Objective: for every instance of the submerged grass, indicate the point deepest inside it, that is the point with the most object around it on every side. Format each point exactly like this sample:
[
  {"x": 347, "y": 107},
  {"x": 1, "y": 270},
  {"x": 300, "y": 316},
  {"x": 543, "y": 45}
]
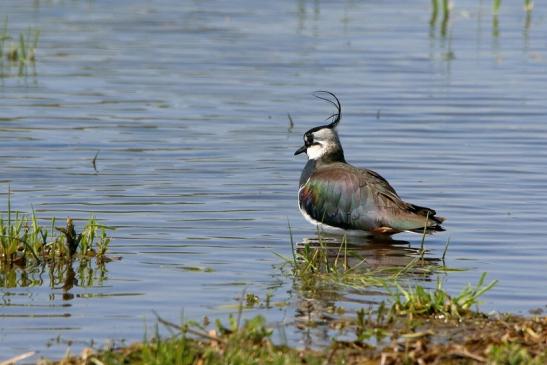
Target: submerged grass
[
  {"x": 445, "y": 6},
  {"x": 19, "y": 51},
  {"x": 87, "y": 272},
  {"x": 27, "y": 245},
  {"x": 321, "y": 264},
  {"x": 496, "y": 4}
]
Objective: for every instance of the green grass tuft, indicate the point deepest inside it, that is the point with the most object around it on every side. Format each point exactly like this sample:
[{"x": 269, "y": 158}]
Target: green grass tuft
[
  {"x": 26, "y": 247},
  {"x": 227, "y": 344},
  {"x": 514, "y": 354},
  {"x": 421, "y": 302}
]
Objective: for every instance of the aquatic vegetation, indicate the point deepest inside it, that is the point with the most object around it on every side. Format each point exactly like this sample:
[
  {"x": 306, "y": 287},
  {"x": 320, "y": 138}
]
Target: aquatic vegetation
[
  {"x": 331, "y": 262},
  {"x": 496, "y": 6},
  {"x": 415, "y": 325},
  {"x": 85, "y": 273},
  {"x": 437, "y": 302},
  {"x": 251, "y": 300},
  {"x": 19, "y": 51},
  {"x": 25, "y": 243},
  {"x": 31, "y": 254},
  {"x": 446, "y": 6},
  {"x": 434, "y": 12}
]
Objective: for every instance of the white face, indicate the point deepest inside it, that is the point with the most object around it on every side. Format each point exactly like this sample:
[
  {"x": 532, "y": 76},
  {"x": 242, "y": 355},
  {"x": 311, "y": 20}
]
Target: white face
[
  {"x": 315, "y": 151},
  {"x": 324, "y": 140}
]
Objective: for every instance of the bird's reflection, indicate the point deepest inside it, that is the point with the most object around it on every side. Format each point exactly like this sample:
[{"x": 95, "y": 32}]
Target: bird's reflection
[
  {"x": 321, "y": 302},
  {"x": 372, "y": 252}
]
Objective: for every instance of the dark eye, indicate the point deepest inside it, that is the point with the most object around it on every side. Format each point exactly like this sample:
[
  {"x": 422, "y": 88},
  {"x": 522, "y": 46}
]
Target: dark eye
[{"x": 308, "y": 138}]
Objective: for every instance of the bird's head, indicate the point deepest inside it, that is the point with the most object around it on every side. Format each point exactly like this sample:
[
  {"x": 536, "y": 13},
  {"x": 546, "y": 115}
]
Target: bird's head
[{"x": 322, "y": 142}]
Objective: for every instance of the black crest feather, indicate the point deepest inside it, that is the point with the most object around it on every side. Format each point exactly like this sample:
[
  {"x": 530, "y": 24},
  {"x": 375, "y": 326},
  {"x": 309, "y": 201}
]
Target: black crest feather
[{"x": 335, "y": 117}]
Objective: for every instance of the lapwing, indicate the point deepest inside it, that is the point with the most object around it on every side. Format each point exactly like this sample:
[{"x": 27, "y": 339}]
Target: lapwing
[{"x": 341, "y": 198}]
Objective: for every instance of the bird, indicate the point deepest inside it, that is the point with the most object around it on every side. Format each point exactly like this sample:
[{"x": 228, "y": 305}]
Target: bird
[{"x": 343, "y": 199}]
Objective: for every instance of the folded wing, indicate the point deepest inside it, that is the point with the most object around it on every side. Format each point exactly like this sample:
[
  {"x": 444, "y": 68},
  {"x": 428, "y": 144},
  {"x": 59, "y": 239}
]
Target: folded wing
[{"x": 350, "y": 198}]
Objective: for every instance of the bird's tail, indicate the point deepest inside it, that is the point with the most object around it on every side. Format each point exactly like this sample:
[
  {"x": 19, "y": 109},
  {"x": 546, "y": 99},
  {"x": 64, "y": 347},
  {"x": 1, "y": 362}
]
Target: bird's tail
[{"x": 431, "y": 223}]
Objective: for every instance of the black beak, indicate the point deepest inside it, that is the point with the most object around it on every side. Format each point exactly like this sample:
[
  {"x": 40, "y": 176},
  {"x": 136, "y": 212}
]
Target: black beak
[{"x": 300, "y": 150}]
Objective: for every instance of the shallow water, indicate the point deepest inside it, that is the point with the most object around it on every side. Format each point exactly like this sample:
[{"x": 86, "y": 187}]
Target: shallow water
[{"x": 187, "y": 104}]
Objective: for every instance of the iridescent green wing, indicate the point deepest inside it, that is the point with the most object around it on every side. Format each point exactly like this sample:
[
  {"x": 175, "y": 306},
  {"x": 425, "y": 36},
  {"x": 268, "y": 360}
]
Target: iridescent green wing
[
  {"x": 347, "y": 197},
  {"x": 338, "y": 197}
]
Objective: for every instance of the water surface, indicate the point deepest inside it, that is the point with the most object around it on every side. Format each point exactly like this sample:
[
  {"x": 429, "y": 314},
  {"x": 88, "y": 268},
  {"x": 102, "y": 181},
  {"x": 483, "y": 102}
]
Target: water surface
[{"x": 187, "y": 104}]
